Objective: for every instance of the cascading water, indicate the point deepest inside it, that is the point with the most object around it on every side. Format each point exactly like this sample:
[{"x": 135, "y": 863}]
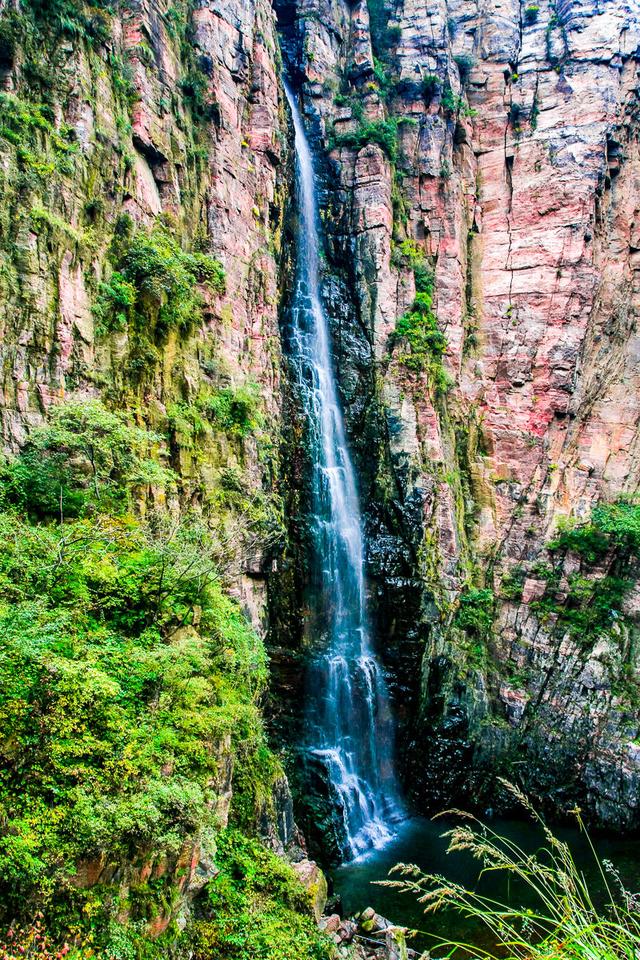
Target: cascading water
[{"x": 349, "y": 720}]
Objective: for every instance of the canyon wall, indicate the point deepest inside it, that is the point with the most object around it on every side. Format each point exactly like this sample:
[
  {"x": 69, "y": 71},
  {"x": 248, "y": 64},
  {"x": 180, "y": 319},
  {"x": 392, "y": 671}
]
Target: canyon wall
[
  {"x": 479, "y": 173},
  {"x": 495, "y": 147},
  {"x": 144, "y": 162}
]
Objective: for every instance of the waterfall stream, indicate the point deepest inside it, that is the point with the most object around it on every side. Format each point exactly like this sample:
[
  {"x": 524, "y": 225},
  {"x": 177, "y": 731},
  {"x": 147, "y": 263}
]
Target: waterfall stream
[{"x": 348, "y": 716}]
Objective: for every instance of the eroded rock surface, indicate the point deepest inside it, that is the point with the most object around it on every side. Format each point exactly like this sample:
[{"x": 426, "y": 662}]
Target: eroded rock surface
[{"x": 516, "y": 179}]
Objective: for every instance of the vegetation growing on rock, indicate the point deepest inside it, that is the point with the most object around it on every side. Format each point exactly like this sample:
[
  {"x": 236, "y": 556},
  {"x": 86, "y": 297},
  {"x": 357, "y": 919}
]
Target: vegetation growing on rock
[{"x": 128, "y": 682}]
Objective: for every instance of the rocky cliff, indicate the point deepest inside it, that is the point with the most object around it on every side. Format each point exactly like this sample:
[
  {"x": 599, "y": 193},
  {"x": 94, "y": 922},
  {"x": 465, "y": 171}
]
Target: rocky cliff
[
  {"x": 479, "y": 169},
  {"x": 481, "y": 201},
  {"x": 143, "y": 170}
]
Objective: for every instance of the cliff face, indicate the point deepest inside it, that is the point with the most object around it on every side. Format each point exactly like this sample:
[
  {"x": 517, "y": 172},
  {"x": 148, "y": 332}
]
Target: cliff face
[
  {"x": 143, "y": 168},
  {"x": 480, "y": 172},
  {"x": 509, "y": 170}
]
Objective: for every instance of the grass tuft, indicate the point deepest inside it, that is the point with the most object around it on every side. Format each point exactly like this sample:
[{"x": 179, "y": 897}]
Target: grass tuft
[{"x": 564, "y": 924}]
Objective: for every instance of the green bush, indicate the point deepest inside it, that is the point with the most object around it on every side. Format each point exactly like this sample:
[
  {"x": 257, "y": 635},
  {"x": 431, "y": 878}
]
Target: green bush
[
  {"x": 382, "y": 132},
  {"x": 155, "y": 279},
  {"x": 98, "y": 702},
  {"x": 69, "y": 18},
  {"x": 531, "y": 14},
  {"x": 431, "y": 87},
  {"x": 475, "y": 612},
  {"x": 85, "y": 457},
  {"x": 257, "y": 909},
  {"x": 592, "y": 605},
  {"x": 124, "y": 672},
  {"x": 613, "y": 527},
  {"x": 41, "y": 147},
  {"x": 419, "y": 328},
  {"x": 236, "y": 410},
  {"x": 465, "y": 63},
  {"x": 232, "y": 410},
  {"x": 589, "y": 608},
  {"x": 512, "y": 584}
]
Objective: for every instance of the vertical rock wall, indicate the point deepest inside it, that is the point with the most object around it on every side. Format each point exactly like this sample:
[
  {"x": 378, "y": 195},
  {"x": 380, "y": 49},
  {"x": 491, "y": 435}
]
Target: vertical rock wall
[
  {"x": 170, "y": 115},
  {"x": 515, "y": 179},
  {"x": 152, "y": 119}
]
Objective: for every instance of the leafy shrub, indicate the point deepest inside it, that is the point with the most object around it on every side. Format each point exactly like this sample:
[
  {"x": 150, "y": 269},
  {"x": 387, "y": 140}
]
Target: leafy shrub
[
  {"x": 110, "y": 717},
  {"x": 115, "y": 303},
  {"x": 431, "y": 87},
  {"x": 257, "y": 909},
  {"x": 67, "y": 18},
  {"x": 475, "y": 613},
  {"x": 465, "y": 63},
  {"x": 85, "y": 456},
  {"x": 531, "y": 14},
  {"x": 612, "y": 527},
  {"x": 155, "y": 279},
  {"x": 382, "y": 132},
  {"x": 419, "y": 328},
  {"x": 512, "y": 584},
  {"x": 236, "y": 410},
  {"x": 195, "y": 88},
  {"x": 590, "y": 607},
  {"x": 592, "y": 604},
  {"x": 31, "y": 129},
  {"x": 448, "y": 101}
]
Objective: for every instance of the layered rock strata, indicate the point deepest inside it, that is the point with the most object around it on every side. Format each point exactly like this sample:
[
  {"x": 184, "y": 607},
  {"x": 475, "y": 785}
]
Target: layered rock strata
[{"x": 510, "y": 168}]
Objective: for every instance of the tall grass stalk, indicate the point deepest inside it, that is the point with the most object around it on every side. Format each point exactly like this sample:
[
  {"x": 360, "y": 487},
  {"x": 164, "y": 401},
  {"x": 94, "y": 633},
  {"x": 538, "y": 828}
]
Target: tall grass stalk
[{"x": 564, "y": 924}]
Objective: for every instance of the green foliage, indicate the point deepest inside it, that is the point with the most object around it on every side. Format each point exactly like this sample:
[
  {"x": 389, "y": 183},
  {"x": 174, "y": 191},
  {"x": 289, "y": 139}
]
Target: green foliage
[
  {"x": 531, "y": 14},
  {"x": 408, "y": 255},
  {"x": 512, "y": 584},
  {"x": 195, "y": 89},
  {"x": 587, "y": 609},
  {"x": 382, "y": 77},
  {"x": 68, "y": 18},
  {"x": 475, "y": 612},
  {"x": 431, "y": 87},
  {"x": 589, "y": 606},
  {"x": 419, "y": 328},
  {"x": 561, "y": 924},
  {"x": 99, "y": 696},
  {"x": 257, "y": 910},
  {"x": 115, "y": 303},
  {"x": 121, "y": 74},
  {"x": 86, "y": 457},
  {"x": 452, "y": 104},
  {"x": 40, "y": 147},
  {"x": 449, "y": 101},
  {"x": 612, "y": 527},
  {"x": 382, "y": 132},
  {"x": 236, "y": 410},
  {"x": 155, "y": 279},
  {"x": 123, "y": 668}
]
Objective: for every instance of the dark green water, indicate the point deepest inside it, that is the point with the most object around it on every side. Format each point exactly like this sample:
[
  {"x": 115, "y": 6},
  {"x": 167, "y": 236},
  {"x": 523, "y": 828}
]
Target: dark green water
[{"x": 419, "y": 841}]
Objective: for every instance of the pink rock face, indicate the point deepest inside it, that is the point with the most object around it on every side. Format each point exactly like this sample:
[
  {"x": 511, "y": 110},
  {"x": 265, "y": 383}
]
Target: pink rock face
[
  {"x": 217, "y": 181},
  {"x": 525, "y": 199}
]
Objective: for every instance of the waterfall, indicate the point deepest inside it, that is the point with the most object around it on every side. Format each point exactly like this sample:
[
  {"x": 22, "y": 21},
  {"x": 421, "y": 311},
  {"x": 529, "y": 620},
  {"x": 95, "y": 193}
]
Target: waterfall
[{"x": 348, "y": 716}]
